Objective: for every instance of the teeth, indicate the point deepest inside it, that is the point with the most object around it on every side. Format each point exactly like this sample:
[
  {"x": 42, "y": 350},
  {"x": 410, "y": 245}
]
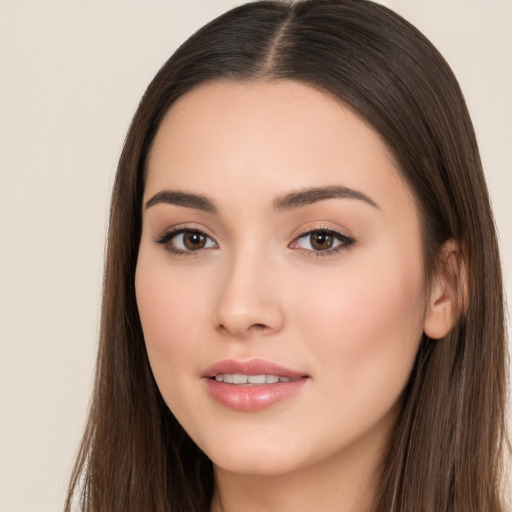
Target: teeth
[
  {"x": 238, "y": 378},
  {"x": 256, "y": 379}
]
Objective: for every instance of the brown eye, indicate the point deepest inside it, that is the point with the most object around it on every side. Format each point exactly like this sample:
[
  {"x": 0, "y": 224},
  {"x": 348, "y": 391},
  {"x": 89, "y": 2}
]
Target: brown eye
[
  {"x": 183, "y": 241},
  {"x": 321, "y": 240},
  {"x": 193, "y": 240}
]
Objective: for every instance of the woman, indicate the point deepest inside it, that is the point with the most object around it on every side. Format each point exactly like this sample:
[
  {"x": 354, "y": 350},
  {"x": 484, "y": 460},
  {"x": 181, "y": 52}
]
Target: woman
[{"x": 303, "y": 301}]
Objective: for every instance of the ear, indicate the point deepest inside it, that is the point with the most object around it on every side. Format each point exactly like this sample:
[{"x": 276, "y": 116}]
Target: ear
[{"x": 448, "y": 294}]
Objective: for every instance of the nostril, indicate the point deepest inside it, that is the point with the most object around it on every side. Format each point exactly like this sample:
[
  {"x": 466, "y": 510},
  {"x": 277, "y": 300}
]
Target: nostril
[{"x": 253, "y": 328}]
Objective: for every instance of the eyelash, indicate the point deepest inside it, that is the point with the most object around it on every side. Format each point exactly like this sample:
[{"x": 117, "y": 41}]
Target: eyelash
[
  {"x": 345, "y": 241},
  {"x": 166, "y": 238}
]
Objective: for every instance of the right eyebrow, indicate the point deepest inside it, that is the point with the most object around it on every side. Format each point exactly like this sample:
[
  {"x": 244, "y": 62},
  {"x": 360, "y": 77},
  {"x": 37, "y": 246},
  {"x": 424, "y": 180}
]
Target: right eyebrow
[
  {"x": 312, "y": 195},
  {"x": 195, "y": 201}
]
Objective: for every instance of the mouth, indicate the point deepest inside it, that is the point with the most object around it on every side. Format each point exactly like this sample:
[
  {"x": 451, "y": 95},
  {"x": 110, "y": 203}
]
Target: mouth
[
  {"x": 250, "y": 380},
  {"x": 252, "y": 371},
  {"x": 252, "y": 385}
]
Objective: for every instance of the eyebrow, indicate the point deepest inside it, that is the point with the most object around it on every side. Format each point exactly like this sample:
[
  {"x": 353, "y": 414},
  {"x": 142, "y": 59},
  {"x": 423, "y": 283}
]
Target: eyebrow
[
  {"x": 287, "y": 202},
  {"x": 195, "y": 201},
  {"x": 309, "y": 196}
]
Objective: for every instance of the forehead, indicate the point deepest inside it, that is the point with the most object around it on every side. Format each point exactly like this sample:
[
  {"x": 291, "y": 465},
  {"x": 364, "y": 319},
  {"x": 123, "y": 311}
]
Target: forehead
[{"x": 268, "y": 138}]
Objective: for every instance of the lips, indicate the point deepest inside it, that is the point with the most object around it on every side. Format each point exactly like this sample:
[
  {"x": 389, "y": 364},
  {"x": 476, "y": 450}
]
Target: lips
[
  {"x": 251, "y": 367},
  {"x": 252, "y": 385}
]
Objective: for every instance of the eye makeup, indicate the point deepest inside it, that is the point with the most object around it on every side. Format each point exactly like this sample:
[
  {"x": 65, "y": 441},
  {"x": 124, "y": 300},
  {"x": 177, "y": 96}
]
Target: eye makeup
[
  {"x": 191, "y": 240},
  {"x": 186, "y": 240},
  {"x": 322, "y": 241}
]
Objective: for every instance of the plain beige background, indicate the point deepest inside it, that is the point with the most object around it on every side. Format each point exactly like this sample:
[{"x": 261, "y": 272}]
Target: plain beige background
[{"x": 71, "y": 74}]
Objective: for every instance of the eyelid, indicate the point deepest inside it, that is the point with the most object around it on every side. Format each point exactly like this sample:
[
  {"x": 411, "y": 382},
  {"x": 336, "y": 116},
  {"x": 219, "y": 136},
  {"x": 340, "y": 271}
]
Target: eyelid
[
  {"x": 346, "y": 240},
  {"x": 178, "y": 229}
]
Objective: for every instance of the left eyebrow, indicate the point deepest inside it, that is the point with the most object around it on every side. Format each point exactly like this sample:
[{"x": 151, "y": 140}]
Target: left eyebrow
[
  {"x": 309, "y": 196},
  {"x": 195, "y": 201}
]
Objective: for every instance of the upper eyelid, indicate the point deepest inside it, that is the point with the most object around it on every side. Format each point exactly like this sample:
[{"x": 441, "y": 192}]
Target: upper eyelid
[
  {"x": 329, "y": 229},
  {"x": 346, "y": 242},
  {"x": 177, "y": 229},
  {"x": 180, "y": 228},
  {"x": 341, "y": 236}
]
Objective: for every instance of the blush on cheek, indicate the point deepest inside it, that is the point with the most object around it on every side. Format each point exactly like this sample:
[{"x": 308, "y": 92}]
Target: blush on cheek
[
  {"x": 162, "y": 299},
  {"x": 366, "y": 318},
  {"x": 369, "y": 341}
]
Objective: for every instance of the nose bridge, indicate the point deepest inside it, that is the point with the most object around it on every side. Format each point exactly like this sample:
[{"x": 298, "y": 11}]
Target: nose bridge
[{"x": 247, "y": 301}]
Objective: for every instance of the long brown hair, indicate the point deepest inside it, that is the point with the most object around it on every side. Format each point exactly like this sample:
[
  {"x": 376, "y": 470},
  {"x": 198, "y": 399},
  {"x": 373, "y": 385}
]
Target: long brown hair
[{"x": 445, "y": 451}]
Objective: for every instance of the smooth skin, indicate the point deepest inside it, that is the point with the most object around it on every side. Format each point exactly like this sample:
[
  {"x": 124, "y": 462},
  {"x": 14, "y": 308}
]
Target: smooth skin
[{"x": 334, "y": 288}]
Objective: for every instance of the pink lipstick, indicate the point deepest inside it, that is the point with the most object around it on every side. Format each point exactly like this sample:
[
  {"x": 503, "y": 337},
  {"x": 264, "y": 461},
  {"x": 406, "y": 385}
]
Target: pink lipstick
[{"x": 252, "y": 385}]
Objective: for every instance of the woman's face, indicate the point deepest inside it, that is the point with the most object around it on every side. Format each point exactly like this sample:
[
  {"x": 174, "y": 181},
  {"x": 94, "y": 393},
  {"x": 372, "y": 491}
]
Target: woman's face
[{"x": 280, "y": 277}]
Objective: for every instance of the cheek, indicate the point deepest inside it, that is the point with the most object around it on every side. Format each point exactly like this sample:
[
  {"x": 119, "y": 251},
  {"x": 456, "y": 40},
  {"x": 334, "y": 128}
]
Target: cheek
[
  {"x": 367, "y": 324},
  {"x": 171, "y": 313}
]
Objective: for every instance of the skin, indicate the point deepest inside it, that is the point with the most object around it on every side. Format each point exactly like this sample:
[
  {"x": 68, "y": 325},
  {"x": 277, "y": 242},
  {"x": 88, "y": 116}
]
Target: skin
[{"x": 351, "y": 320}]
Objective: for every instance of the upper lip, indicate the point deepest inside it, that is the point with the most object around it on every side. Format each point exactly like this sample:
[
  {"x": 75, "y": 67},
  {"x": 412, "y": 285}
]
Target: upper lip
[{"x": 251, "y": 367}]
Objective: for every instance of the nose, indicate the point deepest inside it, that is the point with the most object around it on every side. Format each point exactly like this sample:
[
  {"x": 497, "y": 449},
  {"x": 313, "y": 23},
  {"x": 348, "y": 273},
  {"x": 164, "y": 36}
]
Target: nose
[{"x": 248, "y": 302}]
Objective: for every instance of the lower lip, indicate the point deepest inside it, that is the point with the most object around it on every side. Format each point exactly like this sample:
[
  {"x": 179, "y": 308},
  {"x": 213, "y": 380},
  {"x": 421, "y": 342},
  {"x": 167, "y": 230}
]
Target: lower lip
[{"x": 243, "y": 397}]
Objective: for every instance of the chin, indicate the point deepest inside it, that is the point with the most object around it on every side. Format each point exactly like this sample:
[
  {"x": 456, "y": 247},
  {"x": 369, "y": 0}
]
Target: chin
[
  {"x": 261, "y": 458},
  {"x": 254, "y": 466}
]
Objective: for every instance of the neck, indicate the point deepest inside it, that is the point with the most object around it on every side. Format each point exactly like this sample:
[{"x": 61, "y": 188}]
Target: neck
[{"x": 344, "y": 483}]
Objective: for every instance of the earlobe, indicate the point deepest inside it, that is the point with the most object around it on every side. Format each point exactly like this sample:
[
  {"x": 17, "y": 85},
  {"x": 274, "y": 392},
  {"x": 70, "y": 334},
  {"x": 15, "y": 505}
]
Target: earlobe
[{"x": 448, "y": 293}]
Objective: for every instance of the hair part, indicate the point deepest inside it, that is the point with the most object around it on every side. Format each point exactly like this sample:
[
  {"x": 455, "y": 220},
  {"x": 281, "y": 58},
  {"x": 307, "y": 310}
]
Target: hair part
[{"x": 445, "y": 450}]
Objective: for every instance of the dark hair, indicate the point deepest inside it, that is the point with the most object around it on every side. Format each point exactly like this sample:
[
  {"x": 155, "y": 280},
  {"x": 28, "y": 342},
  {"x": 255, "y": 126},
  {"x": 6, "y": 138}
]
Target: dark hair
[{"x": 445, "y": 451}]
